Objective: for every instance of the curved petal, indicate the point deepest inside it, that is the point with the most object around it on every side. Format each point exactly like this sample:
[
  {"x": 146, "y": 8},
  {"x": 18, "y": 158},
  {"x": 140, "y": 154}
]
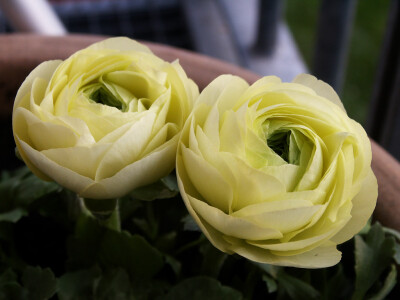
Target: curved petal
[
  {"x": 45, "y": 70},
  {"x": 120, "y": 43},
  {"x": 142, "y": 172},
  {"x": 127, "y": 148},
  {"x": 221, "y": 89},
  {"x": 212, "y": 234},
  {"x": 82, "y": 160},
  {"x": 215, "y": 190},
  {"x": 232, "y": 226},
  {"x": 285, "y": 220},
  {"x": 363, "y": 205},
  {"x": 323, "y": 256},
  {"x": 62, "y": 175},
  {"x": 320, "y": 87}
]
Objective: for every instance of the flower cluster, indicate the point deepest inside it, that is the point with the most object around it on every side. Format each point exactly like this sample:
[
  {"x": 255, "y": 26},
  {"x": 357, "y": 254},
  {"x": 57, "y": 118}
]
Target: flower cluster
[{"x": 275, "y": 172}]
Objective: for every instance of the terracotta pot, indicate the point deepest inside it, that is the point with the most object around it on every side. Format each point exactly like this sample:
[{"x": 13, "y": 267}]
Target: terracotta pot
[{"x": 20, "y": 53}]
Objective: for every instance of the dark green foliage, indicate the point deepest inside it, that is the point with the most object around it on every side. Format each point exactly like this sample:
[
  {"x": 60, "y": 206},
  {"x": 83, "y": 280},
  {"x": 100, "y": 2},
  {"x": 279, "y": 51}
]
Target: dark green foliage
[
  {"x": 40, "y": 283},
  {"x": 52, "y": 248},
  {"x": 165, "y": 188},
  {"x": 373, "y": 256},
  {"x": 199, "y": 288}
]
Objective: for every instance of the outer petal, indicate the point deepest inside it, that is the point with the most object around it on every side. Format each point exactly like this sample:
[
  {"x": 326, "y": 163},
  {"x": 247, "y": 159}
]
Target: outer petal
[
  {"x": 216, "y": 189},
  {"x": 232, "y": 226},
  {"x": 320, "y": 87},
  {"x": 321, "y": 257},
  {"x": 45, "y": 70},
  {"x": 120, "y": 43},
  {"x": 64, "y": 176},
  {"x": 223, "y": 87},
  {"x": 142, "y": 172},
  {"x": 363, "y": 205}
]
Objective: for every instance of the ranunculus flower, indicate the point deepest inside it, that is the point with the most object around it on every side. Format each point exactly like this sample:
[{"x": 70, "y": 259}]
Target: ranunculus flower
[
  {"x": 104, "y": 121},
  {"x": 276, "y": 172}
]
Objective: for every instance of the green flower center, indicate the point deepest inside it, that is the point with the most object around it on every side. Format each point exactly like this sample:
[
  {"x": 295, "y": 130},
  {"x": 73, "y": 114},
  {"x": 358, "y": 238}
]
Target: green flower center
[
  {"x": 279, "y": 143},
  {"x": 104, "y": 96},
  {"x": 284, "y": 144}
]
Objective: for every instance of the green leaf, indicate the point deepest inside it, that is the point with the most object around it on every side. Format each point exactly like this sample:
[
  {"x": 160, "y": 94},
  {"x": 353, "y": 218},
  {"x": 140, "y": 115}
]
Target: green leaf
[
  {"x": 32, "y": 188},
  {"x": 366, "y": 227},
  {"x": 40, "y": 283},
  {"x": 15, "y": 174},
  {"x": 8, "y": 186},
  {"x": 296, "y": 288},
  {"x": 154, "y": 289},
  {"x": 10, "y": 288},
  {"x": 392, "y": 232},
  {"x": 21, "y": 188},
  {"x": 13, "y": 216},
  {"x": 175, "y": 264},
  {"x": 213, "y": 260},
  {"x": 8, "y": 276},
  {"x": 270, "y": 282},
  {"x": 249, "y": 284},
  {"x": 127, "y": 207},
  {"x": 13, "y": 291},
  {"x": 396, "y": 235},
  {"x": 164, "y": 188},
  {"x": 78, "y": 285},
  {"x": 114, "y": 285},
  {"x": 120, "y": 249},
  {"x": 373, "y": 255},
  {"x": 190, "y": 224},
  {"x": 83, "y": 247},
  {"x": 270, "y": 269},
  {"x": 63, "y": 207},
  {"x": 95, "y": 244},
  {"x": 397, "y": 253},
  {"x": 388, "y": 285},
  {"x": 7, "y": 232},
  {"x": 150, "y": 224},
  {"x": 200, "y": 288},
  {"x": 170, "y": 182},
  {"x": 149, "y": 228},
  {"x": 337, "y": 286},
  {"x": 166, "y": 242}
]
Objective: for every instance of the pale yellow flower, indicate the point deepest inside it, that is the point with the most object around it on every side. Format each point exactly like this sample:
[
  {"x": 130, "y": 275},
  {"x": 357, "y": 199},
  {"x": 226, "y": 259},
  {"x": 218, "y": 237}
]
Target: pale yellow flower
[
  {"x": 104, "y": 121},
  {"x": 276, "y": 172}
]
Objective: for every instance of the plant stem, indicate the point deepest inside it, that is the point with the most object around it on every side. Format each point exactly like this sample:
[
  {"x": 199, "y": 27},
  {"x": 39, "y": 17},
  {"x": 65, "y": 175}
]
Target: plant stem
[
  {"x": 113, "y": 222},
  {"x": 106, "y": 211},
  {"x": 190, "y": 245}
]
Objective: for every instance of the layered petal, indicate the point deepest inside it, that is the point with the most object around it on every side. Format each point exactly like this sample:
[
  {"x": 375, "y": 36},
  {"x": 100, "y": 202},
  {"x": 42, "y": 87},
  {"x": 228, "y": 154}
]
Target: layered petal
[
  {"x": 276, "y": 172},
  {"x": 104, "y": 121}
]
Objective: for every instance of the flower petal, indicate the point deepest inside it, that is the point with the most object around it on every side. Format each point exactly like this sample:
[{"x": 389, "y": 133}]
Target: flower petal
[
  {"x": 363, "y": 205},
  {"x": 231, "y": 226},
  {"x": 321, "y": 88},
  {"x": 321, "y": 257}
]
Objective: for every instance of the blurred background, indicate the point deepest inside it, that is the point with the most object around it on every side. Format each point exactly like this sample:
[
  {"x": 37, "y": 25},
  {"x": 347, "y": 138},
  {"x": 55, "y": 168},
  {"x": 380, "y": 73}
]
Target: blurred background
[{"x": 353, "y": 45}]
